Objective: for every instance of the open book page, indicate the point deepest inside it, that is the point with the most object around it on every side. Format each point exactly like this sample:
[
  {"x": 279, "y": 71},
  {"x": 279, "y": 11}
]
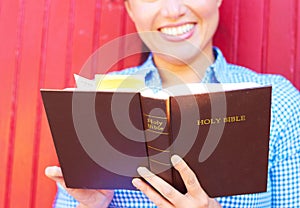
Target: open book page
[
  {"x": 107, "y": 82},
  {"x": 131, "y": 83},
  {"x": 197, "y": 88},
  {"x": 84, "y": 84},
  {"x": 200, "y": 88},
  {"x": 136, "y": 83}
]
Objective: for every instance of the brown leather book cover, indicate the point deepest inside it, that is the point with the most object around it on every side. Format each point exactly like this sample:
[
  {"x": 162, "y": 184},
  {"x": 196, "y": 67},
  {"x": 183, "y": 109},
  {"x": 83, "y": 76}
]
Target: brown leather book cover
[
  {"x": 101, "y": 137},
  {"x": 90, "y": 133},
  {"x": 224, "y": 139},
  {"x": 156, "y": 115}
]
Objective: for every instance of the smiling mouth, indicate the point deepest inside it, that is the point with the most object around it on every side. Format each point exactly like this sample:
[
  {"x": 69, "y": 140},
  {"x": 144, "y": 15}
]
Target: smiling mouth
[{"x": 178, "y": 30}]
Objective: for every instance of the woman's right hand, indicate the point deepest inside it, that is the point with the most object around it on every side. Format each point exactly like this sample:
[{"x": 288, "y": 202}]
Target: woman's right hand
[{"x": 86, "y": 197}]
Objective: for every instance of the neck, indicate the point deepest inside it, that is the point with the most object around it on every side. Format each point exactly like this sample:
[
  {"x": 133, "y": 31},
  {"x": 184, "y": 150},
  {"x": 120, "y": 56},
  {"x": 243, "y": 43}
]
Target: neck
[{"x": 174, "y": 72}]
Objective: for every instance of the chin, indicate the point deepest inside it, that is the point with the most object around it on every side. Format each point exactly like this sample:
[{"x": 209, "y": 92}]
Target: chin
[{"x": 184, "y": 55}]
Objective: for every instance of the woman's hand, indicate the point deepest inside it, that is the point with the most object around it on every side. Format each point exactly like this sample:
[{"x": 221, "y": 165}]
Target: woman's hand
[
  {"x": 86, "y": 197},
  {"x": 195, "y": 196}
]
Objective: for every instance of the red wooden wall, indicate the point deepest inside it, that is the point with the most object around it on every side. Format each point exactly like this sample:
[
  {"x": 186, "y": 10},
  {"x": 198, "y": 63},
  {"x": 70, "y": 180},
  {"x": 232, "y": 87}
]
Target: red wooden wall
[
  {"x": 263, "y": 35},
  {"x": 43, "y": 42}
]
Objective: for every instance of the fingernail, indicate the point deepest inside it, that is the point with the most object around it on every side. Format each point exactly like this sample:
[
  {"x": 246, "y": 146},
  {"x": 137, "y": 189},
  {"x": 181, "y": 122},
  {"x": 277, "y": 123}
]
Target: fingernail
[
  {"x": 51, "y": 171},
  {"x": 144, "y": 172},
  {"x": 175, "y": 159},
  {"x": 136, "y": 182},
  {"x": 47, "y": 170}
]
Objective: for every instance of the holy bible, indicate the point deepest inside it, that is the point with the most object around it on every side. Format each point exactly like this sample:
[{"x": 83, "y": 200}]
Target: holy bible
[{"x": 222, "y": 132}]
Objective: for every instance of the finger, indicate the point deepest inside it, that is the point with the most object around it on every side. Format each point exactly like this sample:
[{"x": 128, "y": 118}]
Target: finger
[
  {"x": 155, "y": 197},
  {"x": 188, "y": 176},
  {"x": 107, "y": 192},
  {"x": 89, "y": 198},
  {"x": 170, "y": 193},
  {"x": 55, "y": 173}
]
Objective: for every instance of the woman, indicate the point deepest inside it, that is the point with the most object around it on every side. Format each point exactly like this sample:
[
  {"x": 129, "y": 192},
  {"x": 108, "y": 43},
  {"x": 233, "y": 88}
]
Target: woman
[{"x": 179, "y": 34}]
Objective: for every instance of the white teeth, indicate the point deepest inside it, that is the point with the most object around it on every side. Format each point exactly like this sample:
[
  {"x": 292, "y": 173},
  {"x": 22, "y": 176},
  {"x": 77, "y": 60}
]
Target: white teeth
[{"x": 175, "y": 31}]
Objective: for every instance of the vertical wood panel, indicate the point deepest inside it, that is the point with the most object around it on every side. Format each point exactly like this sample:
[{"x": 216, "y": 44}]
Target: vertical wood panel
[
  {"x": 110, "y": 21},
  {"x": 37, "y": 176},
  {"x": 8, "y": 59},
  {"x": 57, "y": 44},
  {"x": 97, "y": 22},
  {"x": 265, "y": 35},
  {"x": 13, "y": 106},
  {"x": 106, "y": 27},
  {"x": 70, "y": 41},
  {"x": 26, "y": 110},
  {"x": 111, "y": 14},
  {"x": 250, "y": 29},
  {"x": 293, "y": 39},
  {"x": 55, "y": 77},
  {"x": 280, "y": 38},
  {"x": 82, "y": 45},
  {"x": 45, "y": 188},
  {"x": 132, "y": 44},
  {"x": 0, "y": 6},
  {"x": 268, "y": 33},
  {"x": 123, "y": 33},
  {"x": 225, "y": 36}
]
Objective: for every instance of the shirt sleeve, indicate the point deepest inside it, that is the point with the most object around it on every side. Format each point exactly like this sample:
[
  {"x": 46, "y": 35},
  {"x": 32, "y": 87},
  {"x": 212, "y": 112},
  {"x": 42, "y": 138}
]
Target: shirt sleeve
[{"x": 285, "y": 155}]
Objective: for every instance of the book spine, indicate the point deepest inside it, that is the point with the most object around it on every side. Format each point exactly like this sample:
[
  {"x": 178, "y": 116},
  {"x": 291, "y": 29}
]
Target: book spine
[{"x": 156, "y": 119}]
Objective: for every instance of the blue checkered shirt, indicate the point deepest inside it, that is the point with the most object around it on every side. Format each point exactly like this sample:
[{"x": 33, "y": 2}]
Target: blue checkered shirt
[{"x": 283, "y": 189}]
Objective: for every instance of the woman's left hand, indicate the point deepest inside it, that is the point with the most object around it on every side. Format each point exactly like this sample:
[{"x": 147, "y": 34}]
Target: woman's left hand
[{"x": 170, "y": 197}]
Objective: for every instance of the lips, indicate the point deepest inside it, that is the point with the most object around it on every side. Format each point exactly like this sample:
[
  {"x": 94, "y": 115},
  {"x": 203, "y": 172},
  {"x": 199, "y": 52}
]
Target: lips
[{"x": 178, "y": 32}]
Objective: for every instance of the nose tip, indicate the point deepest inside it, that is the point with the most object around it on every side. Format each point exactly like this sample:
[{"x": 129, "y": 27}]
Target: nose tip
[{"x": 173, "y": 9}]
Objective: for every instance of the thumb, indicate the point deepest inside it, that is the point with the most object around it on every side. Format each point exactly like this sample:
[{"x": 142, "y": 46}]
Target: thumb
[{"x": 54, "y": 173}]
